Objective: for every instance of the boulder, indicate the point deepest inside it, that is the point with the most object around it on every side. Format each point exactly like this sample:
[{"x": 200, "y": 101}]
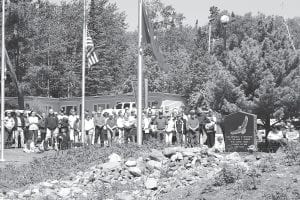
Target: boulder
[
  {"x": 27, "y": 193},
  {"x": 156, "y": 155},
  {"x": 154, "y": 164},
  {"x": 114, "y": 158},
  {"x": 110, "y": 166},
  {"x": 135, "y": 171},
  {"x": 64, "y": 192},
  {"x": 131, "y": 163},
  {"x": 124, "y": 196},
  {"x": 177, "y": 156},
  {"x": 151, "y": 183},
  {"x": 168, "y": 152},
  {"x": 188, "y": 153},
  {"x": 235, "y": 157},
  {"x": 47, "y": 185}
]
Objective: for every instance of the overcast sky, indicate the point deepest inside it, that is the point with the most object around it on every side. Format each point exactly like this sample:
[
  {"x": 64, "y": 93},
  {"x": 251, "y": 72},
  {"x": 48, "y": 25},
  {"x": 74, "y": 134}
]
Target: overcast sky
[{"x": 199, "y": 9}]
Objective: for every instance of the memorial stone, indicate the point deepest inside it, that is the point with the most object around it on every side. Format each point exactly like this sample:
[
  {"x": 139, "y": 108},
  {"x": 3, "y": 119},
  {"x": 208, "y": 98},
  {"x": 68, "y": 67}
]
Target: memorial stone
[{"x": 240, "y": 132}]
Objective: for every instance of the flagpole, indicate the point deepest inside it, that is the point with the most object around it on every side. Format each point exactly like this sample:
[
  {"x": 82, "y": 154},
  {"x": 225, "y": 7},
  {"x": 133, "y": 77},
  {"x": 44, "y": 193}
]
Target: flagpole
[
  {"x": 83, "y": 71},
  {"x": 140, "y": 80},
  {"x": 2, "y": 81}
]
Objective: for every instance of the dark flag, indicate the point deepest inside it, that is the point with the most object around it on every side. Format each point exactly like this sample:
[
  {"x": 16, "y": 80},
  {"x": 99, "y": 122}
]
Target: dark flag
[
  {"x": 148, "y": 37},
  {"x": 90, "y": 49}
]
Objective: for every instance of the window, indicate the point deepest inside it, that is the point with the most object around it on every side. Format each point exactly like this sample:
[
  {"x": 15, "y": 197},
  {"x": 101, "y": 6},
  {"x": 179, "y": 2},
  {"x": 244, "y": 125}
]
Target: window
[
  {"x": 119, "y": 106},
  {"x": 133, "y": 105},
  {"x": 126, "y": 105},
  {"x": 95, "y": 108},
  {"x": 107, "y": 106}
]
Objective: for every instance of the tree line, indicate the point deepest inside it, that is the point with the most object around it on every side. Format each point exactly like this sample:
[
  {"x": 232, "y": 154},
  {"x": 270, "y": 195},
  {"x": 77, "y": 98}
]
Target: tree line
[{"x": 253, "y": 64}]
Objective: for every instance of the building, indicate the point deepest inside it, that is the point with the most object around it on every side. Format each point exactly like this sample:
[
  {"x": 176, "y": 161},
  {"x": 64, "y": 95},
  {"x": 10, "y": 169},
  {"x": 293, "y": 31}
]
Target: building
[{"x": 92, "y": 103}]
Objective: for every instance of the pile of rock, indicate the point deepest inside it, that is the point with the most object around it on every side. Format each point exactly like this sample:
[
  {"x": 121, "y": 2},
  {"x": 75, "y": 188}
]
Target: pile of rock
[{"x": 159, "y": 172}]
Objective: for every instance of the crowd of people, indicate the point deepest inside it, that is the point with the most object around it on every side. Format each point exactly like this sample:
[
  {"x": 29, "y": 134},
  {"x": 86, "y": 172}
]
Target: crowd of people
[{"x": 60, "y": 131}]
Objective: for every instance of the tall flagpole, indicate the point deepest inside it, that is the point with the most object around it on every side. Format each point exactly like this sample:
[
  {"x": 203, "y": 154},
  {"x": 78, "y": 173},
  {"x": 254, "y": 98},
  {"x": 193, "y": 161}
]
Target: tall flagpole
[
  {"x": 140, "y": 80},
  {"x": 2, "y": 81},
  {"x": 83, "y": 70}
]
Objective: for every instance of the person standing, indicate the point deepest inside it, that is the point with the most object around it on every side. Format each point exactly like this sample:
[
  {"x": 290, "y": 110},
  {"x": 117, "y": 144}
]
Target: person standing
[
  {"x": 42, "y": 128},
  {"x": 193, "y": 126},
  {"x": 110, "y": 127},
  {"x": 71, "y": 120},
  {"x": 146, "y": 123},
  {"x": 89, "y": 127},
  {"x": 161, "y": 124},
  {"x": 33, "y": 130},
  {"x": 170, "y": 129},
  {"x": 51, "y": 125},
  {"x": 120, "y": 126},
  {"x": 99, "y": 121},
  {"x": 180, "y": 129},
  {"x": 127, "y": 127},
  {"x": 19, "y": 129},
  {"x": 9, "y": 125}
]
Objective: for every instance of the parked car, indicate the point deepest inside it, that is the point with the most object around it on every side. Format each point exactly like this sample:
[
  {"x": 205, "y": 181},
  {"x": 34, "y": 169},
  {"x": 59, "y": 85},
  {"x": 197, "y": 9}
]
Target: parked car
[{"x": 122, "y": 106}]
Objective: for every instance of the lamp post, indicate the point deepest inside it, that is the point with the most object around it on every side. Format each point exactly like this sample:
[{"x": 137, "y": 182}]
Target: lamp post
[{"x": 224, "y": 20}]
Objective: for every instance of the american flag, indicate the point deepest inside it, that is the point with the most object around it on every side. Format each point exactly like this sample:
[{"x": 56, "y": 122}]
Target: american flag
[{"x": 91, "y": 54}]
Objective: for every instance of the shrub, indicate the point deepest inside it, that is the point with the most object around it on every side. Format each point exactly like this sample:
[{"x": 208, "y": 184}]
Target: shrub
[
  {"x": 292, "y": 153},
  {"x": 228, "y": 175},
  {"x": 267, "y": 164}
]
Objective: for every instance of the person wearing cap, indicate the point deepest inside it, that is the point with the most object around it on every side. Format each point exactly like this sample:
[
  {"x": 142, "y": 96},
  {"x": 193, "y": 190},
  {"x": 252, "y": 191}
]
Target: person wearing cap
[
  {"x": 193, "y": 126},
  {"x": 99, "y": 121},
  {"x": 9, "y": 125},
  {"x": 161, "y": 125},
  {"x": 19, "y": 129}
]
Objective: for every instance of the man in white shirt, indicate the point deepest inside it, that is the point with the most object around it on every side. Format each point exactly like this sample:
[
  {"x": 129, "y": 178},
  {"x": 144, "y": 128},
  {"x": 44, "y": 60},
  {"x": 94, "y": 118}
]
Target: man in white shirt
[
  {"x": 9, "y": 124},
  {"x": 71, "y": 120},
  {"x": 89, "y": 127}
]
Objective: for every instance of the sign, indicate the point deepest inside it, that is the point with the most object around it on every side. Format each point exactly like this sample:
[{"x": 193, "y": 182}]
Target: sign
[
  {"x": 240, "y": 131},
  {"x": 145, "y": 92}
]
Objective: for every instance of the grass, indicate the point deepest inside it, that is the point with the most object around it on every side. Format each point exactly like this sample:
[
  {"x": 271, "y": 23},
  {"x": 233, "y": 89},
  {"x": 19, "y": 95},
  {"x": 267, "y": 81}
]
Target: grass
[{"x": 65, "y": 163}]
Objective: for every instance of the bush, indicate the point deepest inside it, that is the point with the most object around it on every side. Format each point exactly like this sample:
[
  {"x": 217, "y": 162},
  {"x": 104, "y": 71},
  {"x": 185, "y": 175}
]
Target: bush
[
  {"x": 267, "y": 164},
  {"x": 227, "y": 175},
  {"x": 292, "y": 153},
  {"x": 64, "y": 164}
]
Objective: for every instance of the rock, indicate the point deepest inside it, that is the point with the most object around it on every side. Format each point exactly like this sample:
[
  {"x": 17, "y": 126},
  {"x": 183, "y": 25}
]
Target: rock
[
  {"x": 135, "y": 171},
  {"x": 235, "y": 157},
  {"x": 47, "y": 185},
  {"x": 168, "y": 152},
  {"x": 151, "y": 184},
  {"x": 156, "y": 155},
  {"x": 124, "y": 196},
  {"x": 110, "y": 166},
  {"x": 27, "y": 193},
  {"x": 131, "y": 163},
  {"x": 188, "y": 153},
  {"x": 177, "y": 156},
  {"x": 114, "y": 158},
  {"x": 156, "y": 174},
  {"x": 35, "y": 191},
  {"x": 64, "y": 192},
  {"x": 155, "y": 164}
]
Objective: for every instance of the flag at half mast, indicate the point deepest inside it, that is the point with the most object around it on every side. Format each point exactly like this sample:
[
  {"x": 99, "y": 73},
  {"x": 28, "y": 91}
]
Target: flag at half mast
[
  {"x": 90, "y": 49},
  {"x": 148, "y": 37}
]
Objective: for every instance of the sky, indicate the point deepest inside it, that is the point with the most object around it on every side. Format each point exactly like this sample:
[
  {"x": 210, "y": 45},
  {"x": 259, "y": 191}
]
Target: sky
[{"x": 199, "y": 9}]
